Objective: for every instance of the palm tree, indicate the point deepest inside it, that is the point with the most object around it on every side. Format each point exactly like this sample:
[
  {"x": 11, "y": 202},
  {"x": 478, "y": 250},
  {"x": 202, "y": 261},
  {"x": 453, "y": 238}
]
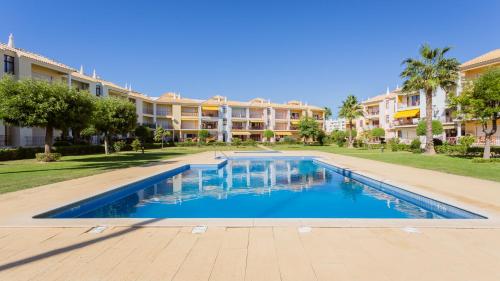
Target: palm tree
[
  {"x": 328, "y": 112},
  {"x": 430, "y": 71},
  {"x": 350, "y": 109}
]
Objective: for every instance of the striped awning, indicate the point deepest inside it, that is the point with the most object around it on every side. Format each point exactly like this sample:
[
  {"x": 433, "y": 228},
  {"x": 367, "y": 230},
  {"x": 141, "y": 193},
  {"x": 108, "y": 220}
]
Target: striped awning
[
  {"x": 283, "y": 133},
  {"x": 407, "y": 113},
  {"x": 241, "y": 133},
  {"x": 210, "y": 107}
]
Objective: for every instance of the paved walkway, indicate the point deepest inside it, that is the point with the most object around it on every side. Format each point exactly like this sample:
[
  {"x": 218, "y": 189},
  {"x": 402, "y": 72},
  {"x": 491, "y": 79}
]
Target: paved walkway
[
  {"x": 259, "y": 253},
  {"x": 344, "y": 249}
]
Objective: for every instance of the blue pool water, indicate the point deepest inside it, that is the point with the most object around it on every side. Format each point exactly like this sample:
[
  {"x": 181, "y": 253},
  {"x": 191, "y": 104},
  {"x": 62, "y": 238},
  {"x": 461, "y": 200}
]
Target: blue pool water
[{"x": 256, "y": 188}]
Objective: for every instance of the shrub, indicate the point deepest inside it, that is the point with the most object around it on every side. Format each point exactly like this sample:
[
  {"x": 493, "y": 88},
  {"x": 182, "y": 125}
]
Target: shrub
[
  {"x": 119, "y": 146},
  {"x": 339, "y": 137},
  {"x": 136, "y": 145},
  {"x": 186, "y": 143},
  {"x": 249, "y": 142},
  {"x": 236, "y": 142},
  {"x": 289, "y": 140},
  {"x": 219, "y": 143},
  {"x": 48, "y": 157},
  {"x": 415, "y": 145},
  {"x": 465, "y": 143},
  {"x": 482, "y": 160},
  {"x": 321, "y": 137}
]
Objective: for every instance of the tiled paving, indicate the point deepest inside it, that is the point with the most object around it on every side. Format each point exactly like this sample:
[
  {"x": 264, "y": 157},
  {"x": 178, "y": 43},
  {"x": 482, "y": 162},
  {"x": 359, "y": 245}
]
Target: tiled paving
[{"x": 257, "y": 253}]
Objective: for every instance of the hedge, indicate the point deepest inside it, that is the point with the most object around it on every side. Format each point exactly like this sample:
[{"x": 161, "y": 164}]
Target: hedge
[{"x": 30, "y": 152}]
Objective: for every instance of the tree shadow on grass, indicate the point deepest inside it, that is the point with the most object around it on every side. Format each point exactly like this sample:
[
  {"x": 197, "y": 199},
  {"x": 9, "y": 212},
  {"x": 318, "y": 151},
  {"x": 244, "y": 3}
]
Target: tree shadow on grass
[{"x": 113, "y": 162}]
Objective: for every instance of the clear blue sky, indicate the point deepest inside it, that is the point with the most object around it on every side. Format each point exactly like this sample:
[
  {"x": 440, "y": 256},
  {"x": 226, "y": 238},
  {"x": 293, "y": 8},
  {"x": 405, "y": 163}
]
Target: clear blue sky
[{"x": 315, "y": 51}]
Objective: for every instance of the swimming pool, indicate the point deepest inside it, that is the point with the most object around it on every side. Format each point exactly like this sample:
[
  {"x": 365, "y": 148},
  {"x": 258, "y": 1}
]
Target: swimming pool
[{"x": 271, "y": 187}]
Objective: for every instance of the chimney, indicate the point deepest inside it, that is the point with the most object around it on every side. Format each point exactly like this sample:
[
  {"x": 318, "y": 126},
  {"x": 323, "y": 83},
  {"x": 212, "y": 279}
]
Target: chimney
[
  {"x": 81, "y": 69},
  {"x": 11, "y": 41},
  {"x": 387, "y": 93},
  {"x": 126, "y": 86},
  {"x": 94, "y": 75},
  {"x": 130, "y": 87}
]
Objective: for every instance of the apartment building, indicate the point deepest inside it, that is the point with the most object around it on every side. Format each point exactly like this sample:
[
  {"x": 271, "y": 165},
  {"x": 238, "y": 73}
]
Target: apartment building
[
  {"x": 398, "y": 113},
  {"x": 338, "y": 124},
  {"x": 223, "y": 119},
  {"x": 469, "y": 71},
  {"x": 22, "y": 64},
  {"x": 378, "y": 112}
]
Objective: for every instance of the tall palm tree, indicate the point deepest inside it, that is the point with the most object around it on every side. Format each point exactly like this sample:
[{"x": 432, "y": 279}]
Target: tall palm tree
[
  {"x": 350, "y": 110},
  {"x": 328, "y": 112},
  {"x": 430, "y": 71}
]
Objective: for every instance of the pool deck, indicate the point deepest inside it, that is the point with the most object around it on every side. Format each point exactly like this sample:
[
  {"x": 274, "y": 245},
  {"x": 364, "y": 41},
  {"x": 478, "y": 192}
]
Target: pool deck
[{"x": 252, "y": 249}]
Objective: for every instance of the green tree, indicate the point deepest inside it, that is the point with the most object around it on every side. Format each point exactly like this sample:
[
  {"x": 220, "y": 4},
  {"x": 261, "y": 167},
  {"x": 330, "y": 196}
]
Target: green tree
[
  {"x": 338, "y": 137},
  {"x": 378, "y": 133},
  {"x": 308, "y": 128},
  {"x": 113, "y": 116},
  {"x": 328, "y": 112},
  {"x": 350, "y": 110},
  {"x": 430, "y": 71},
  {"x": 81, "y": 105},
  {"x": 321, "y": 137},
  {"x": 437, "y": 128},
  {"x": 35, "y": 103},
  {"x": 142, "y": 133},
  {"x": 203, "y": 136},
  {"x": 160, "y": 135},
  {"x": 481, "y": 101},
  {"x": 268, "y": 134}
]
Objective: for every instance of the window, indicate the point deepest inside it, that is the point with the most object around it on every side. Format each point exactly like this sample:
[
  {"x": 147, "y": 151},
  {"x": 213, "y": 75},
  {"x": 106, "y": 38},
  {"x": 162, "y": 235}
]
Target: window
[
  {"x": 387, "y": 119},
  {"x": 415, "y": 100},
  {"x": 98, "y": 90},
  {"x": 8, "y": 64}
]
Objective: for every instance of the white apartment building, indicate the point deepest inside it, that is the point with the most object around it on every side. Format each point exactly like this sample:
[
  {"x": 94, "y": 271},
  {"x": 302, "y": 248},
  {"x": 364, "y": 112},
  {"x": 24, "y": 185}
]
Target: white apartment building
[
  {"x": 223, "y": 119},
  {"x": 378, "y": 112},
  {"x": 338, "y": 124}
]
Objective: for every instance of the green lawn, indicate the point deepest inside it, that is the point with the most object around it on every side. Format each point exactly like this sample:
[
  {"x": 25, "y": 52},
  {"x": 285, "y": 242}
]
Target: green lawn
[
  {"x": 443, "y": 163},
  {"x": 22, "y": 174}
]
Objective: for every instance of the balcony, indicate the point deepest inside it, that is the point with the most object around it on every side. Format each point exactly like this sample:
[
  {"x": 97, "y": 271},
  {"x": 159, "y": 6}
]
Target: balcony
[
  {"x": 256, "y": 114},
  {"x": 147, "y": 110},
  {"x": 210, "y": 114},
  {"x": 257, "y": 126},
  {"x": 209, "y": 125},
  {"x": 163, "y": 111},
  {"x": 189, "y": 113},
  {"x": 295, "y": 116},
  {"x": 281, "y": 127},
  {"x": 406, "y": 122},
  {"x": 186, "y": 125},
  {"x": 318, "y": 117},
  {"x": 239, "y": 126}
]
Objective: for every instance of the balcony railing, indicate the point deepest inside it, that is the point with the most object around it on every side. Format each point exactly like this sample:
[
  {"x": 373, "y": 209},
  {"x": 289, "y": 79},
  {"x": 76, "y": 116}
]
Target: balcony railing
[
  {"x": 189, "y": 113},
  {"x": 256, "y": 115},
  {"x": 163, "y": 112},
  {"x": 147, "y": 110},
  {"x": 281, "y": 127},
  {"x": 212, "y": 114},
  {"x": 257, "y": 126},
  {"x": 294, "y": 127},
  {"x": 405, "y": 122},
  {"x": 189, "y": 126},
  {"x": 209, "y": 126},
  {"x": 238, "y": 114},
  {"x": 481, "y": 140}
]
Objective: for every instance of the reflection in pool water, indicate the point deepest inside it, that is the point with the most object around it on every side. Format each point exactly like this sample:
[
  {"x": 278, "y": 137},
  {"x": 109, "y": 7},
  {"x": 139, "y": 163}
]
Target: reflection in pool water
[{"x": 259, "y": 189}]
